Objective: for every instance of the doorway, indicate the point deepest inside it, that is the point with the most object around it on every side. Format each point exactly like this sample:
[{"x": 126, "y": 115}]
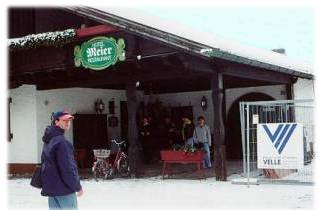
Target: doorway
[
  {"x": 89, "y": 132},
  {"x": 233, "y": 129}
]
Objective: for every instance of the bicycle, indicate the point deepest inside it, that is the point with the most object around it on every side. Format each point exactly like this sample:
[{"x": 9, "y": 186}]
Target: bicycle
[{"x": 102, "y": 168}]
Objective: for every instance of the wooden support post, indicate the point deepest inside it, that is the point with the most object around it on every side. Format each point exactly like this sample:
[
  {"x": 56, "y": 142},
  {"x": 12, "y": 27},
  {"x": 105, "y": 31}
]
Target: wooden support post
[
  {"x": 289, "y": 91},
  {"x": 133, "y": 150},
  {"x": 218, "y": 128},
  {"x": 95, "y": 30}
]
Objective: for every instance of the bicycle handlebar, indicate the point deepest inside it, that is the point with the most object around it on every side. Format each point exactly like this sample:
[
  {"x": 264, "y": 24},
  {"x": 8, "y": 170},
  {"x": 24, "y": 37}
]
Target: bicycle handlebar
[{"x": 118, "y": 143}]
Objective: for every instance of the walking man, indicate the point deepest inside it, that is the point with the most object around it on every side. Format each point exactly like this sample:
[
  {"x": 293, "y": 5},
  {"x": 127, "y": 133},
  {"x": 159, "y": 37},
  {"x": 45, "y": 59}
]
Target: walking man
[
  {"x": 202, "y": 135},
  {"x": 59, "y": 174}
]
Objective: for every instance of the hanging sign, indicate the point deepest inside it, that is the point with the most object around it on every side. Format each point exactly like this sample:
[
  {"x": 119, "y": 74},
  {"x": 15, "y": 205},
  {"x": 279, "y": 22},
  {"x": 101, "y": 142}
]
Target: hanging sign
[
  {"x": 99, "y": 53},
  {"x": 280, "y": 146}
]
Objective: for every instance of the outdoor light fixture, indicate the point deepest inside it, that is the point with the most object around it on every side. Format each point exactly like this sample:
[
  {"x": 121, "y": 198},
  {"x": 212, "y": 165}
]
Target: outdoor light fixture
[
  {"x": 99, "y": 106},
  {"x": 203, "y": 103}
]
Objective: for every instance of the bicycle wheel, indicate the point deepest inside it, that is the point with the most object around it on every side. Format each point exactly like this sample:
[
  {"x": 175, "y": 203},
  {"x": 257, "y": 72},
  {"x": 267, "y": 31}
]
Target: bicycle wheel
[
  {"x": 99, "y": 170},
  {"x": 94, "y": 170},
  {"x": 109, "y": 173},
  {"x": 124, "y": 168}
]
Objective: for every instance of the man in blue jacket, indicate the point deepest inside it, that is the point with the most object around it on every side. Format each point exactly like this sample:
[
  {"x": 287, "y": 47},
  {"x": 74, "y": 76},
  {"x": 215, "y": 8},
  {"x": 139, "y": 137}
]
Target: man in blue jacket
[{"x": 59, "y": 174}]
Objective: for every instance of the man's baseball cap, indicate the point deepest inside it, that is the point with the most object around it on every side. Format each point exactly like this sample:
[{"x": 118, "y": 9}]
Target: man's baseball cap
[{"x": 62, "y": 115}]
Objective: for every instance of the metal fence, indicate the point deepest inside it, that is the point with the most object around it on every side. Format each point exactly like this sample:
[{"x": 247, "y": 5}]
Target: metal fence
[{"x": 288, "y": 111}]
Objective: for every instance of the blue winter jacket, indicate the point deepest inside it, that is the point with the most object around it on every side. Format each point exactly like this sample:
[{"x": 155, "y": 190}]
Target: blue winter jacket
[{"x": 59, "y": 172}]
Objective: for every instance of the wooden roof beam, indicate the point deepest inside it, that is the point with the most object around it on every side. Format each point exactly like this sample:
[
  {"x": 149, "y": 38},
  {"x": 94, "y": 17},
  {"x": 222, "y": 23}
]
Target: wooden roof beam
[
  {"x": 257, "y": 74},
  {"x": 95, "y": 30}
]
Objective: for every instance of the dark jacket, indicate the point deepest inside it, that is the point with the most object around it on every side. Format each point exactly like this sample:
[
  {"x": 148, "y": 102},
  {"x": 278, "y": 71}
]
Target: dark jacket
[
  {"x": 188, "y": 131},
  {"x": 146, "y": 133},
  {"x": 59, "y": 172}
]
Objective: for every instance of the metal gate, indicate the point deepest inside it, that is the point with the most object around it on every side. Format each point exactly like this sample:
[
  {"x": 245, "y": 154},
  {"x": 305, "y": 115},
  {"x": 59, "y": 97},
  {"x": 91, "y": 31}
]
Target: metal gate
[{"x": 287, "y": 111}]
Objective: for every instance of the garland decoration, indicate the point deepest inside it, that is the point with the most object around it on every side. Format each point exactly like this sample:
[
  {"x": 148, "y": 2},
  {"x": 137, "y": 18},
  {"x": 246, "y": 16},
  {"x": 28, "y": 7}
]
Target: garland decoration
[{"x": 48, "y": 39}]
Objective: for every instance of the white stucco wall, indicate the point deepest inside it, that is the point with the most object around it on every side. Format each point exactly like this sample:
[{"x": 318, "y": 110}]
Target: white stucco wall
[
  {"x": 304, "y": 112},
  {"x": 304, "y": 89},
  {"x": 75, "y": 100},
  {"x": 190, "y": 99},
  {"x": 31, "y": 111},
  {"x": 278, "y": 92},
  {"x": 23, "y": 148}
]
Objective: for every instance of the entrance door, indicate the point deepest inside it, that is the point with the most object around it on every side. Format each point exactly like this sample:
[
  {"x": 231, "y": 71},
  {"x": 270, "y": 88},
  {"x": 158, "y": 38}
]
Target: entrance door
[{"x": 90, "y": 132}]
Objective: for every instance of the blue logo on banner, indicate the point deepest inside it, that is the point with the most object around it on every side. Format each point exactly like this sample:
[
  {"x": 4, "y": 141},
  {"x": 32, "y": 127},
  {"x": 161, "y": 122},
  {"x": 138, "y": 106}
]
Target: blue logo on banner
[{"x": 281, "y": 135}]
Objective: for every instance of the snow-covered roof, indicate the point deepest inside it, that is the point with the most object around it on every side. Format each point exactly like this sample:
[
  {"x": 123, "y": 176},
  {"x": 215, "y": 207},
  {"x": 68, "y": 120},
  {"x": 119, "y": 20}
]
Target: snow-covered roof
[
  {"x": 207, "y": 44},
  {"x": 56, "y": 38}
]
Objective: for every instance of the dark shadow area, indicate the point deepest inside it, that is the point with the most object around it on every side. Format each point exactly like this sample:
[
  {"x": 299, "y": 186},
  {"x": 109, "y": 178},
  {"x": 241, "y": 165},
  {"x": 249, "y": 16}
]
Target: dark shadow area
[{"x": 233, "y": 129}]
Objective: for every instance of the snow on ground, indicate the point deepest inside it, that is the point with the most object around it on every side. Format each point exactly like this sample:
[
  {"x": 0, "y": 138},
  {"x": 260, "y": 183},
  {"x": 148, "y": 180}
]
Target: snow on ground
[{"x": 170, "y": 193}]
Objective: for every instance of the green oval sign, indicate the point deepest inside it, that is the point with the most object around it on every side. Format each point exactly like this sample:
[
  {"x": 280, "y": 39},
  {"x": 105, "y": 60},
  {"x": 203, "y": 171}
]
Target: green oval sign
[{"x": 99, "y": 53}]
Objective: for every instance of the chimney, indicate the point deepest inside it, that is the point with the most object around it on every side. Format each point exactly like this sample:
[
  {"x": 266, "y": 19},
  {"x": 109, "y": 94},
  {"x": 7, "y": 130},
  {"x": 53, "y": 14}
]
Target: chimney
[{"x": 280, "y": 50}]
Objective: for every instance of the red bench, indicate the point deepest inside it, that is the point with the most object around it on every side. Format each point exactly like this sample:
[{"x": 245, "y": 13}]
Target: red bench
[{"x": 170, "y": 156}]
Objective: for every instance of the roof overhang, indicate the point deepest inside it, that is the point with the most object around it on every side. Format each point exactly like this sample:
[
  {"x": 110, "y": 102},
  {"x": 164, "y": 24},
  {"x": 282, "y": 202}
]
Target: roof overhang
[{"x": 209, "y": 49}]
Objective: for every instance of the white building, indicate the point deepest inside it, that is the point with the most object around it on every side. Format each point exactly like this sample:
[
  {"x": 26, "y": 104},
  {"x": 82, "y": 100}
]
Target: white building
[{"x": 32, "y": 105}]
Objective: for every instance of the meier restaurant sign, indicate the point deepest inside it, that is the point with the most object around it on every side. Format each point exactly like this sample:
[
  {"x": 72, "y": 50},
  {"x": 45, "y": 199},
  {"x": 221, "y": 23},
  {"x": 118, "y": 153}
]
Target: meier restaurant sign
[{"x": 99, "y": 53}]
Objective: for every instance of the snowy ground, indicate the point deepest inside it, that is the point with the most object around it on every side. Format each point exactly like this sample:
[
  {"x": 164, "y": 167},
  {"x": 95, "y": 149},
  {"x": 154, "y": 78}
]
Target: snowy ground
[{"x": 170, "y": 193}]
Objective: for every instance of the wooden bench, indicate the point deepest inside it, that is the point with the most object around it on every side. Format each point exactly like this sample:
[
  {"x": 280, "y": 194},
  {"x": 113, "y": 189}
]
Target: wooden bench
[{"x": 169, "y": 156}]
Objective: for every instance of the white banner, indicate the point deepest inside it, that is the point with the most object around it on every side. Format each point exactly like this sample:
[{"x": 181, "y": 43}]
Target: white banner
[{"x": 280, "y": 146}]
